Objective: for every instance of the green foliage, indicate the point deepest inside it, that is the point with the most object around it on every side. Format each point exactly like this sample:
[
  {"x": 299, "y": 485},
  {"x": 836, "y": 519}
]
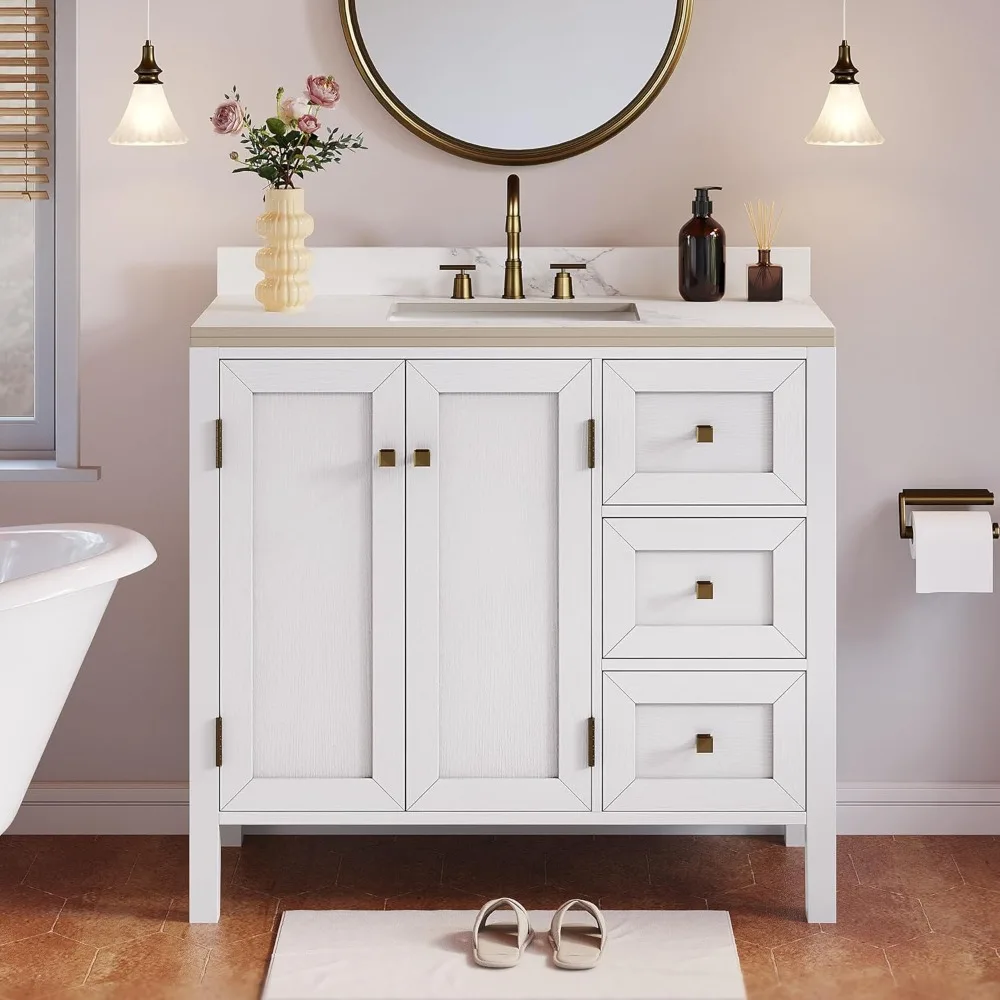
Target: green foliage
[{"x": 279, "y": 151}]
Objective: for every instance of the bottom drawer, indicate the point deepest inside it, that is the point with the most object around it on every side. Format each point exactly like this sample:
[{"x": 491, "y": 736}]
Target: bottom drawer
[{"x": 677, "y": 741}]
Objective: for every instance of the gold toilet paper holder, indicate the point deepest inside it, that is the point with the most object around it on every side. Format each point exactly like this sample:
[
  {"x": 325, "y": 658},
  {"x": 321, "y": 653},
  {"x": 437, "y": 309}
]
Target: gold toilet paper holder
[{"x": 942, "y": 498}]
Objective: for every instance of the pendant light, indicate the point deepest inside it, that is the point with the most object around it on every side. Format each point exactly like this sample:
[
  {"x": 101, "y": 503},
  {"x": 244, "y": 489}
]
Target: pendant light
[
  {"x": 844, "y": 120},
  {"x": 148, "y": 120}
]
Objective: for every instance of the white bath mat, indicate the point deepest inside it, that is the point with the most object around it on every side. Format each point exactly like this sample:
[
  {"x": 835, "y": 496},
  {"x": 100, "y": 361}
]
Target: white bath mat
[{"x": 425, "y": 954}]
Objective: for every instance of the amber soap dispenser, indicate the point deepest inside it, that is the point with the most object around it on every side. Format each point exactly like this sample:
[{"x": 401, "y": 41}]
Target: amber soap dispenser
[{"x": 702, "y": 253}]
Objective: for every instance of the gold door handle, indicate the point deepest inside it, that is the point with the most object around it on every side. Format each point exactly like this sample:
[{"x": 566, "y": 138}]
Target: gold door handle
[
  {"x": 703, "y": 743},
  {"x": 422, "y": 458},
  {"x": 704, "y": 434},
  {"x": 704, "y": 591},
  {"x": 387, "y": 458}
]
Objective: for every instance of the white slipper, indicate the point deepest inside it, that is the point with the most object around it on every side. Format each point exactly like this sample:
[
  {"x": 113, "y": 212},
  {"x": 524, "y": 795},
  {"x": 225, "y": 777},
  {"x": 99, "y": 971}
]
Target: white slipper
[
  {"x": 577, "y": 946},
  {"x": 500, "y": 946}
]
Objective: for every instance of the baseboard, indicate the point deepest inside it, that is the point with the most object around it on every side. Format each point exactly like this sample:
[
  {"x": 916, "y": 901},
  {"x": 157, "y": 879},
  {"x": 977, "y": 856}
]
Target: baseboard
[
  {"x": 953, "y": 808},
  {"x": 161, "y": 808},
  {"x": 101, "y": 807}
]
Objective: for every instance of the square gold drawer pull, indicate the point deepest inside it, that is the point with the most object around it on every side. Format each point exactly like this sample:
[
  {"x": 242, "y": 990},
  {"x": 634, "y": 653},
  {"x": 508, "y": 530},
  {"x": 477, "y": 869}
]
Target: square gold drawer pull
[
  {"x": 704, "y": 743},
  {"x": 387, "y": 458},
  {"x": 422, "y": 458},
  {"x": 704, "y": 434},
  {"x": 703, "y": 590}
]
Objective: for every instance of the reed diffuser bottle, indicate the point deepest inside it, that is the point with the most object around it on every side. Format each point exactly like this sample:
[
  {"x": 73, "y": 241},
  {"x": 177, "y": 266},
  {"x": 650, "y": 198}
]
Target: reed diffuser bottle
[{"x": 765, "y": 281}]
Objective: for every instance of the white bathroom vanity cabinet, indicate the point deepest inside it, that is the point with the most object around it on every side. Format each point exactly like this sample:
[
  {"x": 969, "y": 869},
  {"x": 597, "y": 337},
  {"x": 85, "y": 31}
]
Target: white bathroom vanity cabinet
[{"x": 479, "y": 572}]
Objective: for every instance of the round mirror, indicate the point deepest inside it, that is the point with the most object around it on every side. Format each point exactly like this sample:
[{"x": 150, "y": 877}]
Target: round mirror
[{"x": 522, "y": 81}]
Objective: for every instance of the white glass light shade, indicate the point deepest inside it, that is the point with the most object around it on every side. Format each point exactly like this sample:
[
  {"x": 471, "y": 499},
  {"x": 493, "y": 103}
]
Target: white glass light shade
[
  {"x": 148, "y": 120},
  {"x": 844, "y": 120}
]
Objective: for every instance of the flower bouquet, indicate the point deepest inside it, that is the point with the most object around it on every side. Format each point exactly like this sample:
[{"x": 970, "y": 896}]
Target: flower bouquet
[{"x": 285, "y": 148}]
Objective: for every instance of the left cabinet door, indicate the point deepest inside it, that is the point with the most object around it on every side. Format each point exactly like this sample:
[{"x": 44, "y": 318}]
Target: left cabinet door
[{"x": 312, "y": 584}]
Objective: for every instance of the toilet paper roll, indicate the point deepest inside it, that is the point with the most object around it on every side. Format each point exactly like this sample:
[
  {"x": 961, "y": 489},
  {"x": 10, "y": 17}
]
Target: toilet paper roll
[{"x": 953, "y": 550}]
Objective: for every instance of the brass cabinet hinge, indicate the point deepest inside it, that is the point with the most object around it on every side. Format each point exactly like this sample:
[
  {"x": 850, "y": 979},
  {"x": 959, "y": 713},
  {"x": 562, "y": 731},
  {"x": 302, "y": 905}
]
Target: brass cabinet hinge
[
  {"x": 591, "y": 444},
  {"x": 591, "y": 742},
  {"x": 218, "y": 742},
  {"x": 218, "y": 444}
]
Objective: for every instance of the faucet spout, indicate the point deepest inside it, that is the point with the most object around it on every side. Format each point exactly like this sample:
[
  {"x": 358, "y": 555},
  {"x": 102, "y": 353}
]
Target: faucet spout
[
  {"x": 513, "y": 286},
  {"x": 513, "y": 204}
]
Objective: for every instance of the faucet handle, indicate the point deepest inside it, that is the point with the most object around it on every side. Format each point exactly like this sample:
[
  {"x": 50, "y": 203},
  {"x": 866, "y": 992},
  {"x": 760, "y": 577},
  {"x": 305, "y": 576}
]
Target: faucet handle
[
  {"x": 564, "y": 280},
  {"x": 462, "y": 288}
]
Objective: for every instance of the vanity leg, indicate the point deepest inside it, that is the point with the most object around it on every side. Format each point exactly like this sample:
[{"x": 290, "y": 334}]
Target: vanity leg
[
  {"x": 821, "y": 625},
  {"x": 821, "y": 873},
  {"x": 232, "y": 836},
  {"x": 205, "y": 873},
  {"x": 795, "y": 836}
]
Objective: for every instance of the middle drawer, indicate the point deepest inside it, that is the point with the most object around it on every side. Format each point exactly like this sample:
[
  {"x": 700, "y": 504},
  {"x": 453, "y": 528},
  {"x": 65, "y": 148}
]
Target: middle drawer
[{"x": 711, "y": 587}]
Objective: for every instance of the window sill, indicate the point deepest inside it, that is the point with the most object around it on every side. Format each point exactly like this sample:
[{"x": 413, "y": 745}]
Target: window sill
[{"x": 44, "y": 471}]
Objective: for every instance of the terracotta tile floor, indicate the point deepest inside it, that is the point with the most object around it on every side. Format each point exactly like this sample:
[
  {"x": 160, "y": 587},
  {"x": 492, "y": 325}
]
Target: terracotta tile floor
[{"x": 83, "y": 918}]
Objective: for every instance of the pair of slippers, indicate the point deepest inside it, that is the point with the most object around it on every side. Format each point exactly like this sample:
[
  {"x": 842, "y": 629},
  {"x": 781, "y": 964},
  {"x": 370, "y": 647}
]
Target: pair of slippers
[{"x": 500, "y": 946}]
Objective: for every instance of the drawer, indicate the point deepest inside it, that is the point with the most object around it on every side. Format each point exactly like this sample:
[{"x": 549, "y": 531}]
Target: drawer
[
  {"x": 751, "y": 449},
  {"x": 754, "y": 604},
  {"x": 704, "y": 741}
]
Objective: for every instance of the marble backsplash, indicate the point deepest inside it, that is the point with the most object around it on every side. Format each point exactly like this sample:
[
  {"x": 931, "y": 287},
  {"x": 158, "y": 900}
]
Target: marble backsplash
[{"x": 638, "y": 272}]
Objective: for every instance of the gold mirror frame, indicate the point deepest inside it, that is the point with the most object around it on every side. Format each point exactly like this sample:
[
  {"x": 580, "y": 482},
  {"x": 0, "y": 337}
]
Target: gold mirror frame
[{"x": 515, "y": 157}]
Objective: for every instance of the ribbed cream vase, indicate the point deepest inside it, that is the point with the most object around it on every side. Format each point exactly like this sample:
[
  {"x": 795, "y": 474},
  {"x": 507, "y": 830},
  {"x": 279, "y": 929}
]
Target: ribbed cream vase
[{"x": 284, "y": 259}]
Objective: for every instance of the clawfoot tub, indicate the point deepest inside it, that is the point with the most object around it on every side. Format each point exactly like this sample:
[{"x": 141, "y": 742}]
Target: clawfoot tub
[{"x": 55, "y": 582}]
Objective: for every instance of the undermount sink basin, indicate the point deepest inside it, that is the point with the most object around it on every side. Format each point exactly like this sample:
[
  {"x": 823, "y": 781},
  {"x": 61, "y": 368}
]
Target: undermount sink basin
[{"x": 515, "y": 311}]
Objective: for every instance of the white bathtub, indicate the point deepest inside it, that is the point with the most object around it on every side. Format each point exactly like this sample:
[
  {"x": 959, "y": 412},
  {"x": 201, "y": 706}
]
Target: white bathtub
[{"x": 55, "y": 582}]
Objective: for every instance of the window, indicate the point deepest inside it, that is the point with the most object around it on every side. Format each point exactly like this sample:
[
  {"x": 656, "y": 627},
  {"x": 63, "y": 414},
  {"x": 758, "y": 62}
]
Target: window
[
  {"x": 27, "y": 288},
  {"x": 38, "y": 234}
]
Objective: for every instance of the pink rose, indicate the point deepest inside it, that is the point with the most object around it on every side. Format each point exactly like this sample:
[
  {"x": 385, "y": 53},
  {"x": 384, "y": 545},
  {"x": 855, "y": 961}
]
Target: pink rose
[
  {"x": 292, "y": 109},
  {"x": 228, "y": 118},
  {"x": 323, "y": 91},
  {"x": 308, "y": 124}
]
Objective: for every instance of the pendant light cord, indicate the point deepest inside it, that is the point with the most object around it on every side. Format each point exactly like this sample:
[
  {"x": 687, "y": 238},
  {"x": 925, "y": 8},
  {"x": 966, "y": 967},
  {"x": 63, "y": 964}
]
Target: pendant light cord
[
  {"x": 148, "y": 2},
  {"x": 844, "y": 36}
]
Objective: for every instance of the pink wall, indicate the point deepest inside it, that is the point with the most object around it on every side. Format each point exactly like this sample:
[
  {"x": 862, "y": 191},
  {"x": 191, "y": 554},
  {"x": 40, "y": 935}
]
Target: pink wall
[{"x": 901, "y": 239}]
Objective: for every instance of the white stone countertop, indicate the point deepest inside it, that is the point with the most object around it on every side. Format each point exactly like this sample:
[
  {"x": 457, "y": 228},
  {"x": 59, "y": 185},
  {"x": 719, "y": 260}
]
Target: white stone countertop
[{"x": 364, "y": 320}]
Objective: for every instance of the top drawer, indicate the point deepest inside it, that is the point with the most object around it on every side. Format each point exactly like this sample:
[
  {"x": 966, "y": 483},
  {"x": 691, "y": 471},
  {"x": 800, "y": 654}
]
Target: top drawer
[{"x": 705, "y": 432}]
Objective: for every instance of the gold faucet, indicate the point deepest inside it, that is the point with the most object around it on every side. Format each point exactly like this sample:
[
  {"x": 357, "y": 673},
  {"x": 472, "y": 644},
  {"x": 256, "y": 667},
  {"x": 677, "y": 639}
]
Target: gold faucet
[{"x": 513, "y": 287}]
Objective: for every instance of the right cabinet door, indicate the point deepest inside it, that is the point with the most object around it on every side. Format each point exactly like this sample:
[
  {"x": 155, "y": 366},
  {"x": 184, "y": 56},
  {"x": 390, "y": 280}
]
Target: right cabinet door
[
  {"x": 704, "y": 741},
  {"x": 498, "y": 592},
  {"x": 705, "y": 432}
]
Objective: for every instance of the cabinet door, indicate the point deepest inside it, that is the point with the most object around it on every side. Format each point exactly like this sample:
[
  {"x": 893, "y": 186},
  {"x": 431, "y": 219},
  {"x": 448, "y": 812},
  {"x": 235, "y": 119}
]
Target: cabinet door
[
  {"x": 312, "y": 586},
  {"x": 498, "y": 543}
]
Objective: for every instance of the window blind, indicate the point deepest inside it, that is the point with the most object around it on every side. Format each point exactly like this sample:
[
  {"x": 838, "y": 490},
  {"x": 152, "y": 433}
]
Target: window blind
[{"x": 25, "y": 99}]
